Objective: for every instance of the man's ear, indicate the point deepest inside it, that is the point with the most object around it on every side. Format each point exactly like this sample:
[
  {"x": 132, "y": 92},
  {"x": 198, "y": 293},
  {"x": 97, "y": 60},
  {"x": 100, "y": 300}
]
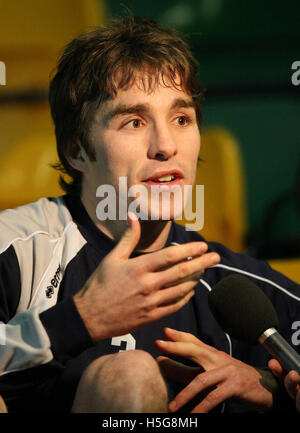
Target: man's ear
[{"x": 79, "y": 160}]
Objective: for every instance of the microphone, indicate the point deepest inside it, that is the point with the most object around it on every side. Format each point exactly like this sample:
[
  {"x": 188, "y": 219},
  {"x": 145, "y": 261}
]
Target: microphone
[{"x": 243, "y": 310}]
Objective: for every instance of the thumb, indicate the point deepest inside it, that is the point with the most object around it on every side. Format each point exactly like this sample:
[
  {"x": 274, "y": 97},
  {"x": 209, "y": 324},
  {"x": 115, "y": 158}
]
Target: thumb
[{"x": 130, "y": 238}]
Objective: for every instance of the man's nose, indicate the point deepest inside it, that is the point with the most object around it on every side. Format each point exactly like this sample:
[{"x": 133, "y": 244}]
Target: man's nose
[{"x": 162, "y": 145}]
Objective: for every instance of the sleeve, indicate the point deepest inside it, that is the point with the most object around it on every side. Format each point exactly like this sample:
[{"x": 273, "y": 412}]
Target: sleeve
[
  {"x": 23, "y": 341},
  {"x": 10, "y": 284},
  {"x": 31, "y": 338},
  {"x": 66, "y": 330}
]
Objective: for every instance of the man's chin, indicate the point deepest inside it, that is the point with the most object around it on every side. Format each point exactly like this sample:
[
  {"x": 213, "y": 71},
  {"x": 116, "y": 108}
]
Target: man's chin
[{"x": 158, "y": 213}]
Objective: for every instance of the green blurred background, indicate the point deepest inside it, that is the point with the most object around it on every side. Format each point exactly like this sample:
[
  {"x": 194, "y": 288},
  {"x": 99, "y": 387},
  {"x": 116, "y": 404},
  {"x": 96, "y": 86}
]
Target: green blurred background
[{"x": 245, "y": 49}]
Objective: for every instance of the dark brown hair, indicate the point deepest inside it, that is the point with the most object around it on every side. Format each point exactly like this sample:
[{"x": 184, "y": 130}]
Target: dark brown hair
[{"x": 95, "y": 65}]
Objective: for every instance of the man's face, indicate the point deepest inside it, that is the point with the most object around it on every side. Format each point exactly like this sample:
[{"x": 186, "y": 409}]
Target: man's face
[{"x": 152, "y": 140}]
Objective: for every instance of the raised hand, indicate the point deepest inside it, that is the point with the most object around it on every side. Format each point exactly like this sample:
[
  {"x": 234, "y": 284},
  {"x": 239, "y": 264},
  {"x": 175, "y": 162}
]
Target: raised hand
[{"x": 125, "y": 293}]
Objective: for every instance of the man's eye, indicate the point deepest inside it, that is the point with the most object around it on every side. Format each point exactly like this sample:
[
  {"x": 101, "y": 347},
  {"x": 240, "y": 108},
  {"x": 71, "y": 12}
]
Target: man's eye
[
  {"x": 183, "y": 120},
  {"x": 135, "y": 123}
]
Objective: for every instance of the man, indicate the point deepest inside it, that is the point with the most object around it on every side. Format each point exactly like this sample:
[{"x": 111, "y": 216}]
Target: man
[{"x": 88, "y": 302}]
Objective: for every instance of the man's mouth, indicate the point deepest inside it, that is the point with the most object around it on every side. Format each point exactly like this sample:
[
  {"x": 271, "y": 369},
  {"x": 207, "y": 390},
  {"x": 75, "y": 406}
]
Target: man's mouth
[{"x": 164, "y": 178}]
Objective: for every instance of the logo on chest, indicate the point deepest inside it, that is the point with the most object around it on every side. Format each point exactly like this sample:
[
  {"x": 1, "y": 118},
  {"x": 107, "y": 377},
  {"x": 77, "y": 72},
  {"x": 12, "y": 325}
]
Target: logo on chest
[{"x": 54, "y": 283}]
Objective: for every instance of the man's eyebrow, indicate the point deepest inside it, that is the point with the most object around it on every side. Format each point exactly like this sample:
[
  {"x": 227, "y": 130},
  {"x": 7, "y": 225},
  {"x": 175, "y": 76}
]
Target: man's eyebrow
[
  {"x": 183, "y": 103},
  {"x": 123, "y": 109}
]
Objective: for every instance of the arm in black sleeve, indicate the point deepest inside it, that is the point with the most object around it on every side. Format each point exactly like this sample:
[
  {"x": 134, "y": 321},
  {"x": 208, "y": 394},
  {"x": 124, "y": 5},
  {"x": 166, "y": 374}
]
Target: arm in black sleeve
[{"x": 66, "y": 330}]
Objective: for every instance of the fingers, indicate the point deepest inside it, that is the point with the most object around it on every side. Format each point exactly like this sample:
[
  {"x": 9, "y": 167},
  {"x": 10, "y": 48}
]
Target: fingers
[
  {"x": 275, "y": 366},
  {"x": 177, "y": 371},
  {"x": 200, "y": 355},
  {"x": 129, "y": 240},
  {"x": 173, "y": 294},
  {"x": 165, "y": 310},
  {"x": 200, "y": 383},
  {"x": 175, "y": 335},
  {"x": 292, "y": 383},
  {"x": 174, "y": 254},
  {"x": 187, "y": 270},
  {"x": 291, "y": 380}
]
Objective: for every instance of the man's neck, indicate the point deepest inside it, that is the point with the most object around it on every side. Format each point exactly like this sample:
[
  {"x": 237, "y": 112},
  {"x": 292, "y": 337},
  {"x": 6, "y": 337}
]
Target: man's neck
[{"x": 154, "y": 234}]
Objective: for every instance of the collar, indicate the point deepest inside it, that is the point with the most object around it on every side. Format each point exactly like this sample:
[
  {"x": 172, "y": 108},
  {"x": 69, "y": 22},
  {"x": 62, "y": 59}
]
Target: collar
[{"x": 100, "y": 241}]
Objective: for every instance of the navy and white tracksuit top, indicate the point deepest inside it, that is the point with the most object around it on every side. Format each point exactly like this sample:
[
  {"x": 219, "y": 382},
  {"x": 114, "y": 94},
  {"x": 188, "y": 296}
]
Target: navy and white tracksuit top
[{"x": 49, "y": 248}]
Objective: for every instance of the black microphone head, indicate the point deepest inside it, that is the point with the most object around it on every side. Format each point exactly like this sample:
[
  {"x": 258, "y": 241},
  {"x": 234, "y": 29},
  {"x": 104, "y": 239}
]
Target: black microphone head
[{"x": 241, "y": 308}]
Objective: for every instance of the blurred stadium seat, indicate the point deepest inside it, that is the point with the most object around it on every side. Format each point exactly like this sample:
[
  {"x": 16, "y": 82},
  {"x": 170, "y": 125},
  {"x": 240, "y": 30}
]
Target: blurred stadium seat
[
  {"x": 32, "y": 36},
  {"x": 221, "y": 172},
  {"x": 288, "y": 267},
  {"x": 25, "y": 173}
]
